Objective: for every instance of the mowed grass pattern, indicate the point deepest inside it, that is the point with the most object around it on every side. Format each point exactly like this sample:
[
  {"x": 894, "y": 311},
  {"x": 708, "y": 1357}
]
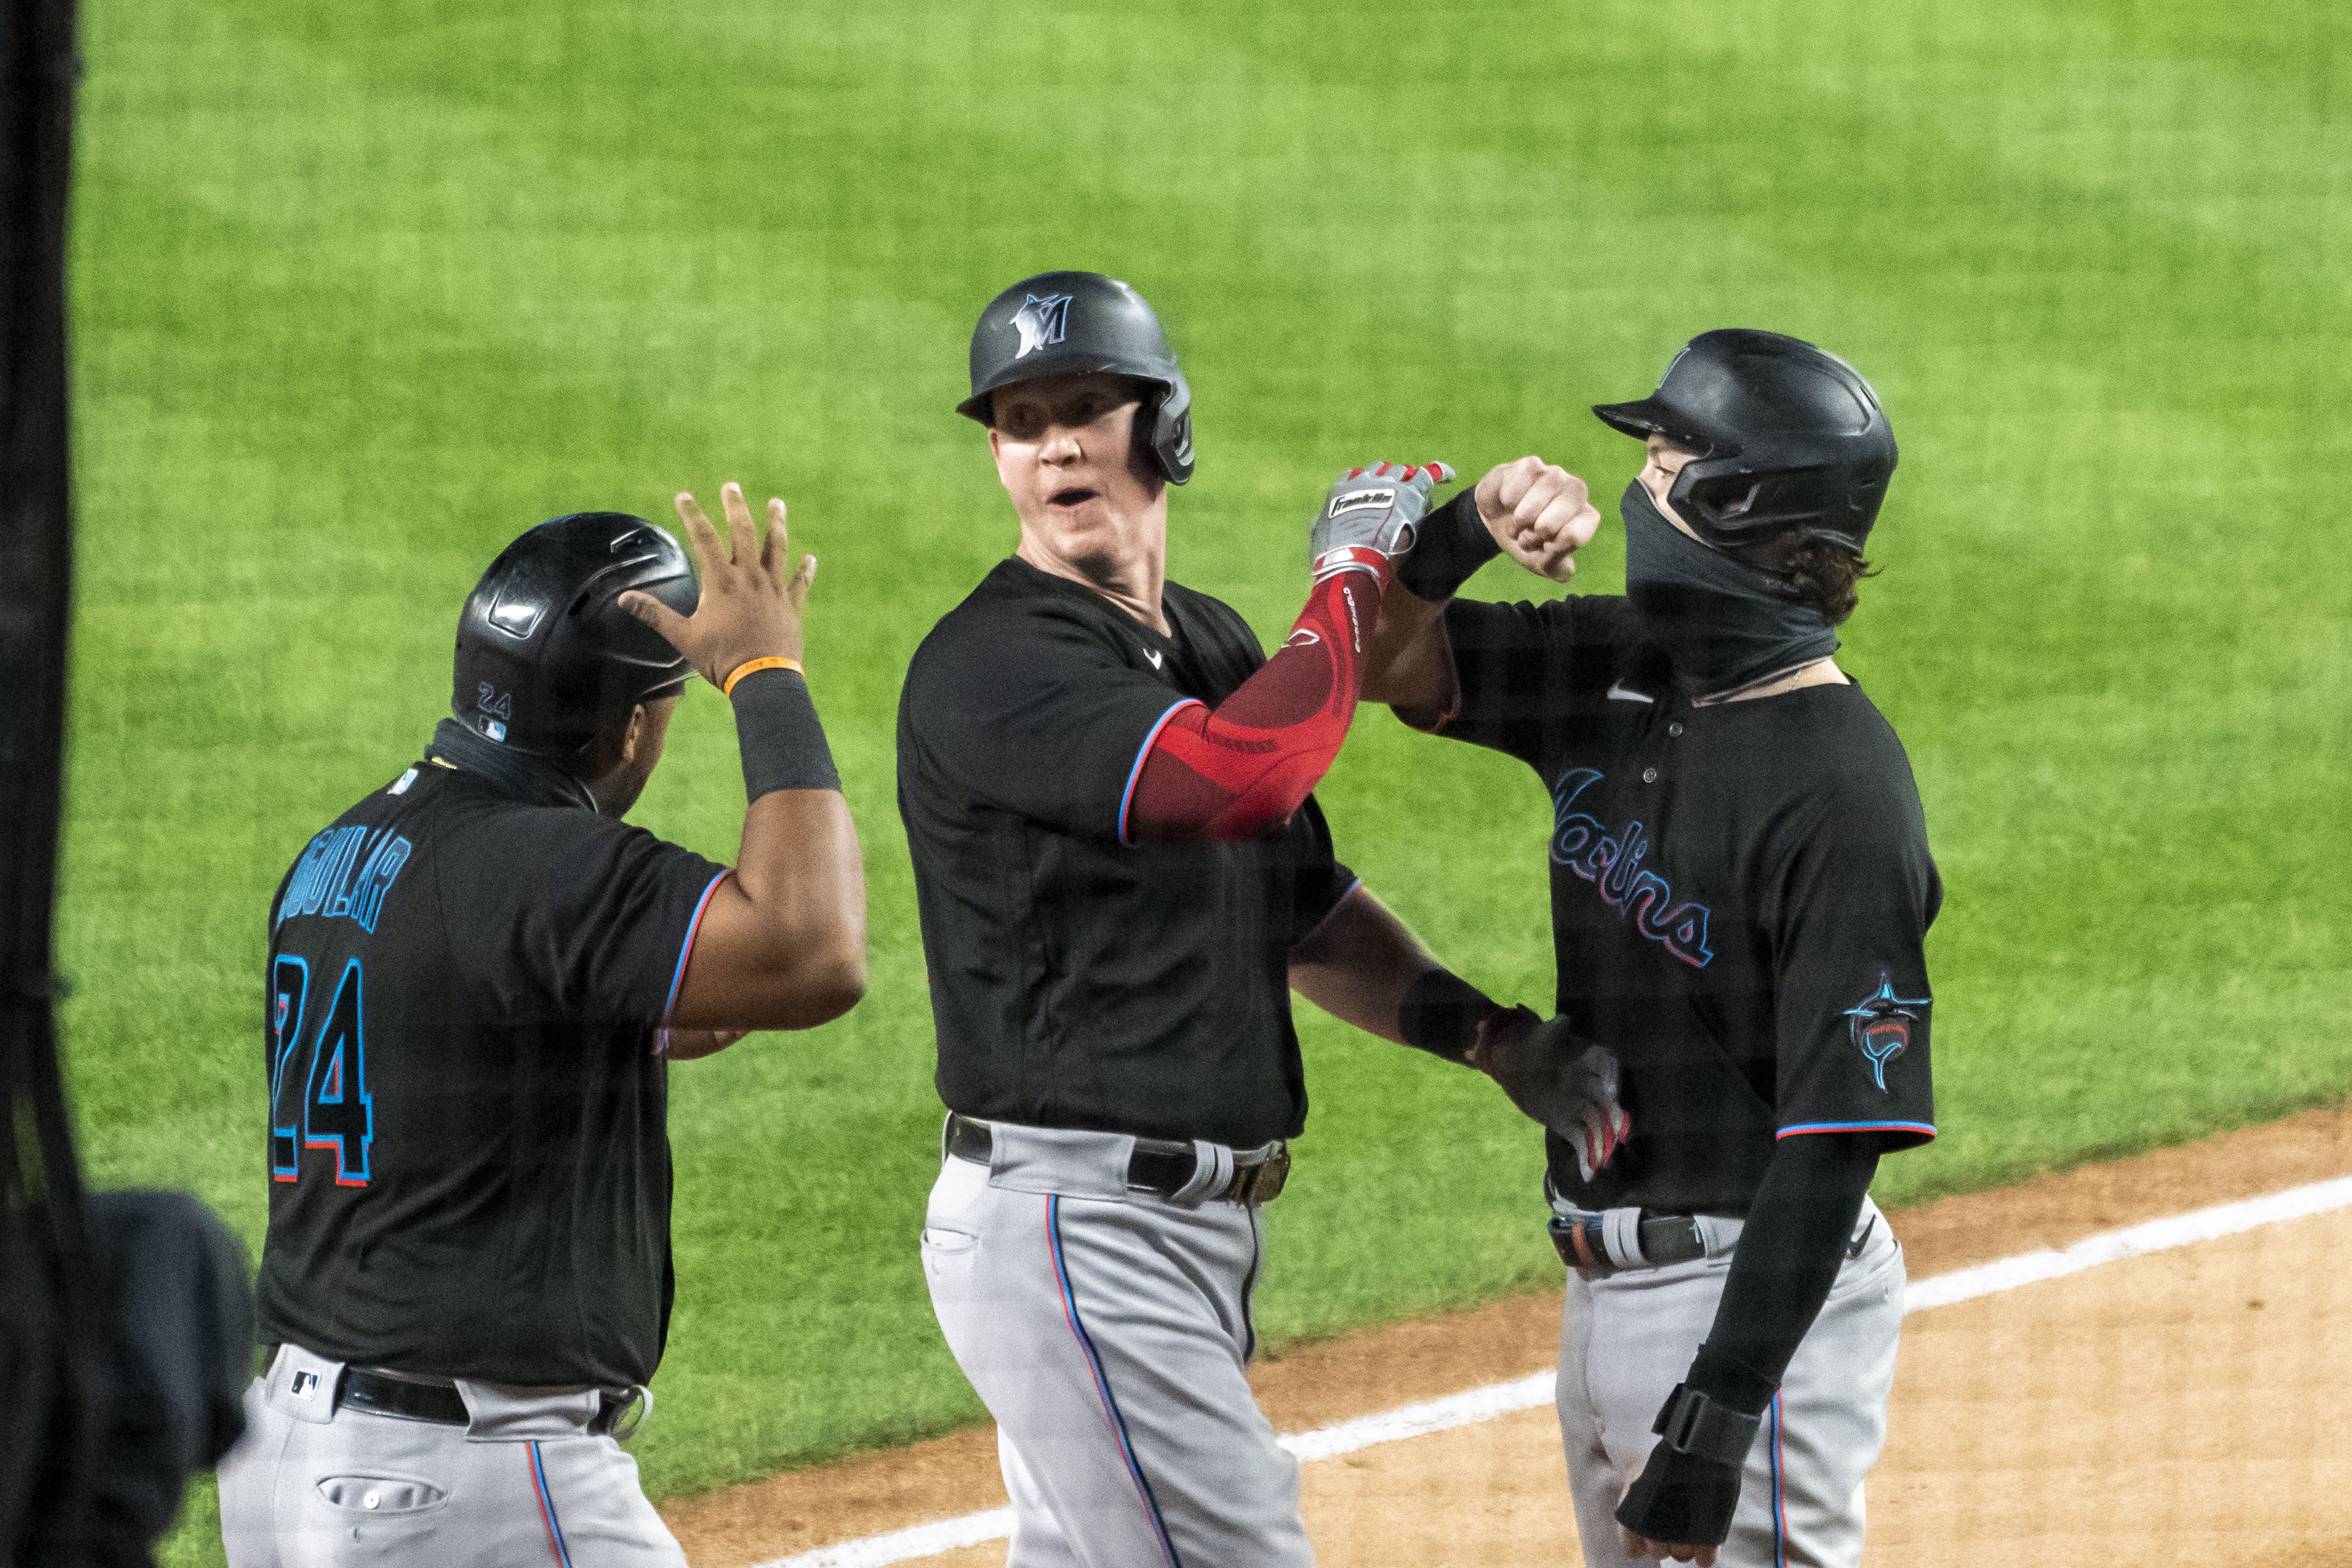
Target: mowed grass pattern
[{"x": 361, "y": 294}]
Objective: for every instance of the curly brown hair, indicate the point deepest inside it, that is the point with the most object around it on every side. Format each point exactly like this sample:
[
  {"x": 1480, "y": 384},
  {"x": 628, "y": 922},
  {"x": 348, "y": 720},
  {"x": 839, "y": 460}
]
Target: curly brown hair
[{"x": 1823, "y": 571}]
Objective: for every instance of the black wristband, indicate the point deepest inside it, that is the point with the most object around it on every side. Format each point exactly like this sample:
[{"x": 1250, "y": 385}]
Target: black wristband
[
  {"x": 1693, "y": 1424},
  {"x": 1450, "y": 544},
  {"x": 777, "y": 730},
  {"x": 1441, "y": 1014}
]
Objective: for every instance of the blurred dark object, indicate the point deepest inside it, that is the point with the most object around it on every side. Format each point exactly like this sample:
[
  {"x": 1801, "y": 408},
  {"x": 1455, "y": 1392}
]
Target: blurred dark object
[
  {"x": 126, "y": 1322},
  {"x": 47, "y": 1338}
]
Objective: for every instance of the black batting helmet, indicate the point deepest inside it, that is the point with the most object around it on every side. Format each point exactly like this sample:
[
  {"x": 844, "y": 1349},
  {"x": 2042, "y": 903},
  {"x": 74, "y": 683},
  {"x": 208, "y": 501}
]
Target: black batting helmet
[
  {"x": 1079, "y": 323},
  {"x": 546, "y": 660},
  {"x": 1788, "y": 436}
]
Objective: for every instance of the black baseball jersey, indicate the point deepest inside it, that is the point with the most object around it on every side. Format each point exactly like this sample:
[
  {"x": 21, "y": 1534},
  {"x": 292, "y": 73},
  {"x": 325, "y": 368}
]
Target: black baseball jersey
[
  {"x": 1079, "y": 979},
  {"x": 1739, "y": 897},
  {"x": 468, "y": 1153}
]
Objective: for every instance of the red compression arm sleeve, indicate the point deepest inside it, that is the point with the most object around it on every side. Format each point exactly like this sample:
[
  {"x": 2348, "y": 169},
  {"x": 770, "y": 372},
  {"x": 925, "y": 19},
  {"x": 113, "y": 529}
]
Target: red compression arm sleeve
[{"x": 1242, "y": 769}]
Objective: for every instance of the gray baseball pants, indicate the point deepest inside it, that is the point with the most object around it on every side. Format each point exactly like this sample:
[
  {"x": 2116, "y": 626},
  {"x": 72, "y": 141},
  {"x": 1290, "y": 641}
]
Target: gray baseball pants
[
  {"x": 313, "y": 1486},
  {"x": 1107, "y": 1332},
  {"x": 1625, "y": 1341}
]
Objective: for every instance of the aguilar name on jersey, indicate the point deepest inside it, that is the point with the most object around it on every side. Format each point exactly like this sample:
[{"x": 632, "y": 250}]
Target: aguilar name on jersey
[{"x": 470, "y": 1164}]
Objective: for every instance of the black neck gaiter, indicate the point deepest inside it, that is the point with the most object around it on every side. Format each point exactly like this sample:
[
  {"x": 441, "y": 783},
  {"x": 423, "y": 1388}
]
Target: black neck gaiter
[
  {"x": 1723, "y": 622},
  {"x": 540, "y": 780}
]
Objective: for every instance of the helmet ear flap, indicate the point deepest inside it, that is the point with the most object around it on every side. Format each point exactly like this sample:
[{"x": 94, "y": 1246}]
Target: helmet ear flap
[
  {"x": 1171, "y": 430},
  {"x": 1163, "y": 431}
]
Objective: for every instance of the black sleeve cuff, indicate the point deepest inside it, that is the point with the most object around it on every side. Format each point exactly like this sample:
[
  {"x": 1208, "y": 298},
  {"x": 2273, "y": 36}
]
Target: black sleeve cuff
[
  {"x": 1450, "y": 545},
  {"x": 776, "y": 730}
]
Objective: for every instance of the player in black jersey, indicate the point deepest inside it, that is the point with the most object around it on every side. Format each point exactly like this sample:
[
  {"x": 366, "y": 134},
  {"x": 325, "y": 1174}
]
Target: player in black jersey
[
  {"x": 1740, "y": 891},
  {"x": 1122, "y": 874},
  {"x": 476, "y": 976}
]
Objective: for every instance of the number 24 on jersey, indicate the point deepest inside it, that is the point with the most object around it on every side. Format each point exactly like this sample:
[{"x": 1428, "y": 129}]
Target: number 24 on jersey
[{"x": 318, "y": 1085}]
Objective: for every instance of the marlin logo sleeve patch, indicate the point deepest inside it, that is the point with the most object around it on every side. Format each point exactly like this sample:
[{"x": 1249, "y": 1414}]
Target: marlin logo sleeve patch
[{"x": 1882, "y": 1024}]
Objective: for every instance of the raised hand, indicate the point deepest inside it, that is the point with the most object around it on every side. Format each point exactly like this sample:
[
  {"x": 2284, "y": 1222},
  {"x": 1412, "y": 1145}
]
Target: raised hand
[
  {"x": 1540, "y": 513},
  {"x": 750, "y": 608},
  {"x": 1370, "y": 516}
]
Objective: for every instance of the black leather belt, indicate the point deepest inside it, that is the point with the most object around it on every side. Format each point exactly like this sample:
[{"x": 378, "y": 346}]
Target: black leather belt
[
  {"x": 1663, "y": 1238},
  {"x": 401, "y": 1394},
  {"x": 1158, "y": 1165},
  {"x": 436, "y": 1399}
]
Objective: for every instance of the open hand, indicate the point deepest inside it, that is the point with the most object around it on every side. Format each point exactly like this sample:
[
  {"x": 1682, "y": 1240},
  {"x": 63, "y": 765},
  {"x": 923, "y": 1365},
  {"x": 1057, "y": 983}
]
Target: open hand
[
  {"x": 1372, "y": 516},
  {"x": 1566, "y": 1083},
  {"x": 750, "y": 609}
]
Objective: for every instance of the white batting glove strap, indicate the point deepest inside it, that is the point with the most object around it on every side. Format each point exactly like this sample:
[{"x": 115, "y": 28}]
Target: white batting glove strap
[{"x": 1351, "y": 558}]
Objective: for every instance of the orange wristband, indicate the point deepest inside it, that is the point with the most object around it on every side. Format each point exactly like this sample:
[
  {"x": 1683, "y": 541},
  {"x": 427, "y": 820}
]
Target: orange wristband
[{"x": 754, "y": 666}]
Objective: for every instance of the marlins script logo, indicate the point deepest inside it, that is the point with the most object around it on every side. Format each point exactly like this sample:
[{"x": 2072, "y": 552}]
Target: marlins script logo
[
  {"x": 1042, "y": 323},
  {"x": 1882, "y": 1026}
]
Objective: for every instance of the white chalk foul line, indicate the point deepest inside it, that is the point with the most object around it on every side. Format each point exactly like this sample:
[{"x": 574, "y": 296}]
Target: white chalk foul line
[
  {"x": 906, "y": 1545},
  {"x": 2156, "y": 1236},
  {"x": 1500, "y": 1399}
]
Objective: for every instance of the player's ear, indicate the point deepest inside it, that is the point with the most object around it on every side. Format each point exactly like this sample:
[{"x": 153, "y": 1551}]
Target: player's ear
[{"x": 634, "y": 737}]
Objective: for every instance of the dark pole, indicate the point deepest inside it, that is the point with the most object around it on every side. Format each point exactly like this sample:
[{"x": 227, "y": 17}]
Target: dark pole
[{"x": 40, "y": 1185}]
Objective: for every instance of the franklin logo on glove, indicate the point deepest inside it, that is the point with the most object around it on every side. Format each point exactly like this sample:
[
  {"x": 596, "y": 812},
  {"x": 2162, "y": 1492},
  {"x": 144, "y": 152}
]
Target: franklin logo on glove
[
  {"x": 1371, "y": 518},
  {"x": 1358, "y": 501}
]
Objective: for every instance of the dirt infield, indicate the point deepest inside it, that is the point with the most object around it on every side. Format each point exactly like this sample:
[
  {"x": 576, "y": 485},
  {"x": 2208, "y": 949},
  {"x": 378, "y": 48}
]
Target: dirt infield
[{"x": 2190, "y": 1406}]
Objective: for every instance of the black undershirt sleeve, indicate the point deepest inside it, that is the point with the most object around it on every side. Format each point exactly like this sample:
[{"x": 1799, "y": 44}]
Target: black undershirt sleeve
[
  {"x": 1789, "y": 1254},
  {"x": 1449, "y": 547}
]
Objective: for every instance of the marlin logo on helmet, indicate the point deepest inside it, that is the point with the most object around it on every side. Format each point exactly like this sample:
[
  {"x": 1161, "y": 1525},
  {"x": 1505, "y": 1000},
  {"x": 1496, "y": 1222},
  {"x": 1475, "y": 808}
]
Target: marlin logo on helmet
[
  {"x": 1882, "y": 1024},
  {"x": 1042, "y": 323}
]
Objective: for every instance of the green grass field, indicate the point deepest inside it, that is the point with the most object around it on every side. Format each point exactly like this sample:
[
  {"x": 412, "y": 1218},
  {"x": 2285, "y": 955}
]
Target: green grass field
[{"x": 361, "y": 292}]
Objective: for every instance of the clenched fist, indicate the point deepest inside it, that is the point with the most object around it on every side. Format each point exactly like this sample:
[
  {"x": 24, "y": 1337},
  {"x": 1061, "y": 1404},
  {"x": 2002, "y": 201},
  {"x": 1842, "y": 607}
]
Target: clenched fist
[{"x": 1540, "y": 513}]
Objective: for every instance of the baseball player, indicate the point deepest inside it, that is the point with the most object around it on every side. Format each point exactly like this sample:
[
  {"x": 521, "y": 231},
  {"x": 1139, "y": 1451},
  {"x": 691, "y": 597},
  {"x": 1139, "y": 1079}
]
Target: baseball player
[
  {"x": 1121, "y": 874},
  {"x": 1740, "y": 890},
  {"x": 466, "y": 1276}
]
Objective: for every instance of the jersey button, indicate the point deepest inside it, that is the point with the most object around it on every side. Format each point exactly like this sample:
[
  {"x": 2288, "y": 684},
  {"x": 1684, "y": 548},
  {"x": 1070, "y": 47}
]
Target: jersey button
[
  {"x": 1649, "y": 775},
  {"x": 1675, "y": 729}
]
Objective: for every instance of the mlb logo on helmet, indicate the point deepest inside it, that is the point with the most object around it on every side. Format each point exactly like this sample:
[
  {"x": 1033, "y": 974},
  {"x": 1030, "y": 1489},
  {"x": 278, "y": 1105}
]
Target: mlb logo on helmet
[
  {"x": 492, "y": 702},
  {"x": 1882, "y": 1026},
  {"x": 1042, "y": 323}
]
